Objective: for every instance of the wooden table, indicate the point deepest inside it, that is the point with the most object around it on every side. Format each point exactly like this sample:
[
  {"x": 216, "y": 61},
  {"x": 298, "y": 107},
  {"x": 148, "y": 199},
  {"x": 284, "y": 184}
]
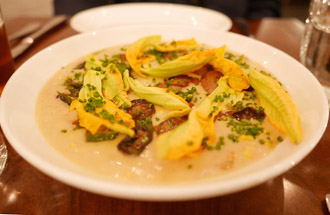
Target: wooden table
[{"x": 301, "y": 190}]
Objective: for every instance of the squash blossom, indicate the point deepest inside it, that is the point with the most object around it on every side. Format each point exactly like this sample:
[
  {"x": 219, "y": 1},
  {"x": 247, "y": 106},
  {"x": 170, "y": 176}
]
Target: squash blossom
[
  {"x": 182, "y": 65},
  {"x": 237, "y": 79},
  {"x": 278, "y": 105},
  {"x": 113, "y": 87},
  {"x": 187, "y": 138},
  {"x": 94, "y": 110},
  {"x": 177, "y": 45},
  {"x": 109, "y": 115},
  {"x": 159, "y": 96},
  {"x": 134, "y": 53},
  {"x": 112, "y": 81}
]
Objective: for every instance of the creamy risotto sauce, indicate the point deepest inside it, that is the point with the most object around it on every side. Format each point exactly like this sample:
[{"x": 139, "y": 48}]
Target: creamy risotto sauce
[{"x": 103, "y": 158}]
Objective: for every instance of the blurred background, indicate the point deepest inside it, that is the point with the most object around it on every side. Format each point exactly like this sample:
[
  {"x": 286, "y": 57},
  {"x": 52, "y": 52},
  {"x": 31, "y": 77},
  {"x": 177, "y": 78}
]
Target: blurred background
[
  {"x": 45, "y": 8},
  {"x": 295, "y": 8}
]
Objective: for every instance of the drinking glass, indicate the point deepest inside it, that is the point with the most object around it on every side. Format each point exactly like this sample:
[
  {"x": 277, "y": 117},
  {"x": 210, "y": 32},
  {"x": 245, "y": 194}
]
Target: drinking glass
[
  {"x": 6, "y": 70},
  {"x": 3, "y": 153},
  {"x": 315, "y": 46},
  {"x": 6, "y": 60}
]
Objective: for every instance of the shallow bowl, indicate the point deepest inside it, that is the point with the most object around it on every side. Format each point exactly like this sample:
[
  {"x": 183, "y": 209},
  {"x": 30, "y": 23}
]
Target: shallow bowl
[{"x": 18, "y": 101}]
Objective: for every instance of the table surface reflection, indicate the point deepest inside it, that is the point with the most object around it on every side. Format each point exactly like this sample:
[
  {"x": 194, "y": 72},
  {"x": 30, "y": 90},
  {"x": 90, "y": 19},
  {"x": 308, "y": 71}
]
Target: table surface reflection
[{"x": 301, "y": 190}]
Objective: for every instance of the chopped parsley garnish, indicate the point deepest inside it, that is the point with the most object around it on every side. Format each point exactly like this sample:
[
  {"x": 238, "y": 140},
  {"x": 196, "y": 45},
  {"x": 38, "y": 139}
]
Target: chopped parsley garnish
[
  {"x": 119, "y": 60},
  {"x": 146, "y": 122},
  {"x": 93, "y": 103},
  {"x": 265, "y": 73},
  {"x": 214, "y": 109},
  {"x": 279, "y": 139},
  {"x": 188, "y": 95},
  {"x": 233, "y": 138},
  {"x": 221, "y": 98},
  {"x": 77, "y": 75},
  {"x": 217, "y": 146},
  {"x": 242, "y": 63},
  {"x": 158, "y": 55},
  {"x": 245, "y": 127},
  {"x": 106, "y": 115},
  {"x": 238, "y": 106},
  {"x": 229, "y": 56},
  {"x": 163, "y": 57},
  {"x": 109, "y": 135},
  {"x": 237, "y": 59}
]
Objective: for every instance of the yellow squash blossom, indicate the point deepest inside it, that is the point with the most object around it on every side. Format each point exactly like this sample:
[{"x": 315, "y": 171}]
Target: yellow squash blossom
[
  {"x": 237, "y": 78},
  {"x": 135, "y": 51},
  {"x": 177, "y": 45},
  {"x": 117, "y": 119},
  {"x": 187, "y": 138},
  {"x": 111, "y": 80},
  {"x": 94, "y": 110},
  {"x": 278, "y": 105},
  {"x": 113, "y": 87},
  {"x": 182, "y": 65},
  {"x": 159, "y": 96}
]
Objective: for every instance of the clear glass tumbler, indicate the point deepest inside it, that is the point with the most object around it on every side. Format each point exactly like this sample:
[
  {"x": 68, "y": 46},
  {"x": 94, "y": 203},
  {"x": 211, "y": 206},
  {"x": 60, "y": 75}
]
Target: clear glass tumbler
[
  {"x": 6, "y": 70},
  {"x": 315, "y": 46},
  {"x": 3, "y": 153},
  {"x": 6, "y": 60}
]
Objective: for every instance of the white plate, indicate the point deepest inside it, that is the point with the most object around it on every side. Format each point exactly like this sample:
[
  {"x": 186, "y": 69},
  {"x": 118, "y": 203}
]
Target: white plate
[
  {"x": 17, "y": 113},
  {"x": 163, "y": 14}
]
